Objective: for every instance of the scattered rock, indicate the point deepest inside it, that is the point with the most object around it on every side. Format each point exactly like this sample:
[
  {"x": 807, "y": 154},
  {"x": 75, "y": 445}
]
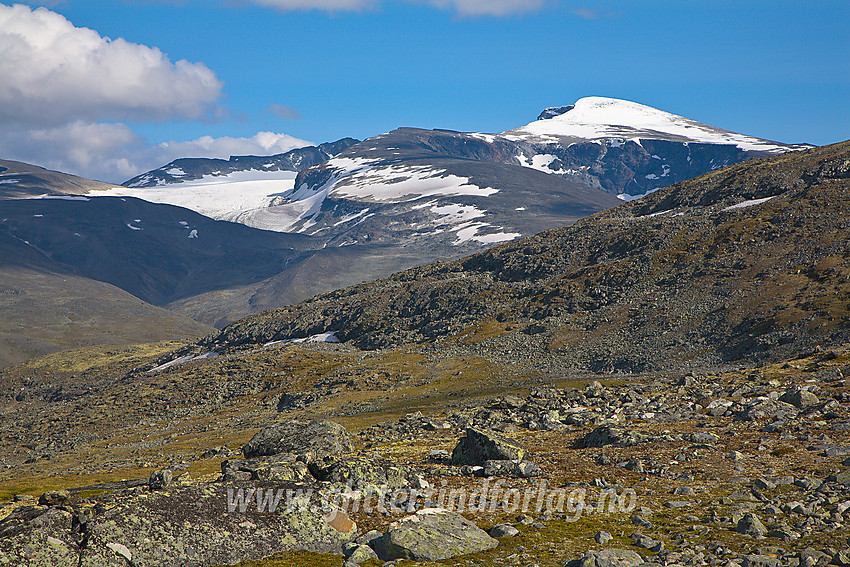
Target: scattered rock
[
  {"x": 751, "y": 525},
  {"x": 799, "y": 397},
  {"x": 511, "y": 469},
  {"x": 54, "y": 498}
]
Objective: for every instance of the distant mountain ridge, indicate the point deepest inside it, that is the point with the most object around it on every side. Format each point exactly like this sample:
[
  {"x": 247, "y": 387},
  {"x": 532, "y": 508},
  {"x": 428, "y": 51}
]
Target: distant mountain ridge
[
  {"x": 191, "y": 169},
  {"x": 751, "y": 262},
  {"x": 345, "y": 212}
]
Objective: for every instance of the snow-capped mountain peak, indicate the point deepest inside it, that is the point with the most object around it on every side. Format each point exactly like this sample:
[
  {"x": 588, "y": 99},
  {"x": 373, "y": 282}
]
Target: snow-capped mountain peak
[{"x": 595, "y": 118}]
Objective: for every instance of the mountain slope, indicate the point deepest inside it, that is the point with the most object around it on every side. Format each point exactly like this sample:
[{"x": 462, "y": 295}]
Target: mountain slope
[
  {"x": 47, "y": 307},
  {"x": 751, "y": 261},
  {"x": 20, "y": 180},
  {"x": 158, "y": 253}
]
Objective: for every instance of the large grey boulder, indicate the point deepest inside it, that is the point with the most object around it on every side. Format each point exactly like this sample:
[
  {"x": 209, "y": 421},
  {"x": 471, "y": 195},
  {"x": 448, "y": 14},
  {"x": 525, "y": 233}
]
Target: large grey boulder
[
  {"x": 768, "y": 409},
  {"x": 799, "y": 398},
  {"x": 607, "y": 435},
  {"x": 318, "y": 438},
  {"x": 431, "y": 535},
  {"x": 480, "y": 446}
]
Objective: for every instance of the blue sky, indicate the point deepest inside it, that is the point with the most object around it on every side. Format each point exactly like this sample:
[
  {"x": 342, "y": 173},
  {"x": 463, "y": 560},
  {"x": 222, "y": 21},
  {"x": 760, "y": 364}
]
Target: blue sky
[{"x": 319, "y": 70}]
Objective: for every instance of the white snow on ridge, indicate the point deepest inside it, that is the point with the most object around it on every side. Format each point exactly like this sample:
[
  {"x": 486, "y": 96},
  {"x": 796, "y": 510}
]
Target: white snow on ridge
[
  {"x": 469, "y": 231},
  {"x": 222, "y": 197},
  {"x": 749, "y": 203},
  {"x": 594, "y": 118},
  {"x": 363, "y": 180},
  {"x": 61, "y": 197}
]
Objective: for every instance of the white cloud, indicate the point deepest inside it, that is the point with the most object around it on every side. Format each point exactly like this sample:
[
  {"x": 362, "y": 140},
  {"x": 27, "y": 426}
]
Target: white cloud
[
  {"x": 51, "y": 70},
  {"x": 463, "y": 7},
  {"x": 114, "y": 153},
  {"x": 489, "y": 7},
  {"x": 64, "y": 92},
  {"x": 262, "y": 143}
]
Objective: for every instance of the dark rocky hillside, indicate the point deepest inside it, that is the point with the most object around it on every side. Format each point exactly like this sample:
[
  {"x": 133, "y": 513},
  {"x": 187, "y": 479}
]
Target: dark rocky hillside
[{"x": 677, "y": 278}]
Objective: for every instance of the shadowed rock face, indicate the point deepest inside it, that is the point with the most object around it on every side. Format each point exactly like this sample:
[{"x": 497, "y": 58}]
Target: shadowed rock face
[{"x": 479, "y": 446}]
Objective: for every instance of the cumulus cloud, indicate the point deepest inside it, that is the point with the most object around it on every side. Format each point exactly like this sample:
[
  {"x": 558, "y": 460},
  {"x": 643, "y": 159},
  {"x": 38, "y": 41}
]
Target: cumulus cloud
[
  {"x": 64, "y": 91},
  {"x": 463, "y": 7},
  {"x": 51, "y": 70},
  {"x": 114, "y": 153}
]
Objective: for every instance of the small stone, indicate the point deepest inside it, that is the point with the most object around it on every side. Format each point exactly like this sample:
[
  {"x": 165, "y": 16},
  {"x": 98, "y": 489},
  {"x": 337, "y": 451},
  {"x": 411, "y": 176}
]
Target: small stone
[
  {"x": 503, "y": 530},
  {"x": 121, "y": 550},
  {"x": 602, "y": 537}
]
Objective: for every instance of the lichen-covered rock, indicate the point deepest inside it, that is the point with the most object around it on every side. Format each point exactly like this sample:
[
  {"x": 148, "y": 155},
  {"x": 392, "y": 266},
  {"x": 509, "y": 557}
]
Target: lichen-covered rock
[
  {"x": 503, "y": 530},
  {"x": 767, "y": 409},
  {"x": 607, "y": 435},
  {"x": 160, "y": 479},
  {"x": 53, "y": 498},
  {"x": 431, "y": 535},
  {"x": 39, "y": 537},
  {"x": 610, "y": 558},
  {"x": 318, "y": 438},
  {"x": 360, "y": 472},
  {"x": 202, "y": 525},
  {"x": 799, "y": 398},
  {"x": 284, "y": 467},
  {"x": 751, "y": 525},
  {"x": 511, "y": 469},
  {"x": 480, "y": 446}
]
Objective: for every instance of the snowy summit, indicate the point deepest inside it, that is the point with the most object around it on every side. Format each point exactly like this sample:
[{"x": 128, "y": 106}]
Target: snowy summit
[{"x": 595, "y": 118}]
